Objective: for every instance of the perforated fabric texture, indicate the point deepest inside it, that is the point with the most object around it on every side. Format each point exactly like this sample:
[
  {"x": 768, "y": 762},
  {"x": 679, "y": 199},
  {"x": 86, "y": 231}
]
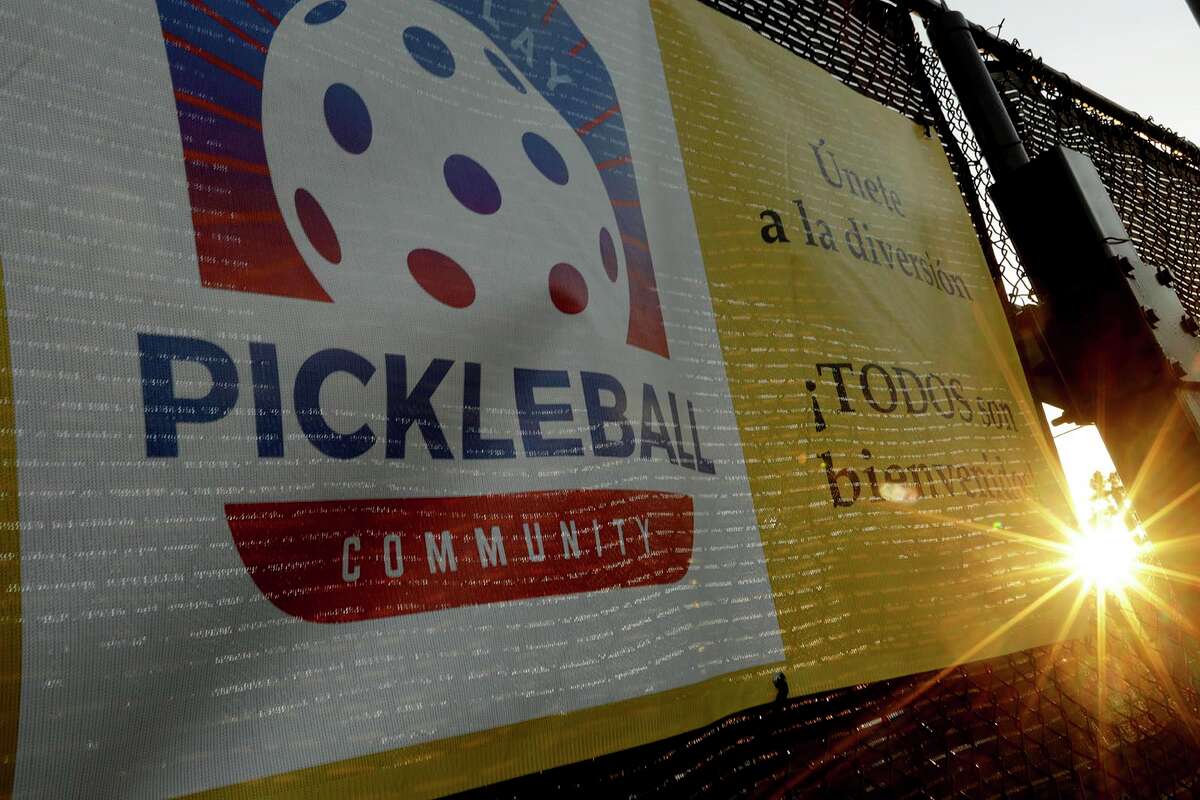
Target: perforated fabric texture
[{"x": 1109, "y": 715}]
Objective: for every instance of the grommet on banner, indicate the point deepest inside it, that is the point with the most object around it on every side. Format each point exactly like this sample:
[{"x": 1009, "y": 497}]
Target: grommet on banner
[{"x": 781, "y": 687}]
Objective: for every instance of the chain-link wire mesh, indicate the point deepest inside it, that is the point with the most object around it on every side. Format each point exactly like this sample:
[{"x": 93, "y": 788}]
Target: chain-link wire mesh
[
  {"x": 975, "y": 177},
  {"x": 1151, "y": 173},
  {"x": 1024, "y": 725},
  {"x": 1112, "y": 714}
]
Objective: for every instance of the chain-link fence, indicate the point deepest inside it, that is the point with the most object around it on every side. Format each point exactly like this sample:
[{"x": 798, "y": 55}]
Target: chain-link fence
[
  {"x": 1151, "y": 173},
  {"x": 1109, "y": 715}
]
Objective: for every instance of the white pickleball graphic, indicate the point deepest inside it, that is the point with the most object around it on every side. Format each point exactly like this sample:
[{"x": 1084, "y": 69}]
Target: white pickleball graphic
[{"x": 421, "y": 173}]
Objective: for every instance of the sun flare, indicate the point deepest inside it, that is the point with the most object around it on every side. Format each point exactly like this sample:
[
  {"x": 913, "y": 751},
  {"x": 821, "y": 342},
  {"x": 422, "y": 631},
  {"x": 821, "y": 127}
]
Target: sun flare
[{"x": 1108, "y": 556}]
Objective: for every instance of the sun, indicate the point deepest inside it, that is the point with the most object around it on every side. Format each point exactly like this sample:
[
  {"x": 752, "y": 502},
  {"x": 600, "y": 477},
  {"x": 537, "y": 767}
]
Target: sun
[{"x": 1107, "y": 556}]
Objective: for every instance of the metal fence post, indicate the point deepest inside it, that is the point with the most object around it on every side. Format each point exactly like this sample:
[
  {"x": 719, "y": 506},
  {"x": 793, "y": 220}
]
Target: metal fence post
[{"x": 977, "y": 94}]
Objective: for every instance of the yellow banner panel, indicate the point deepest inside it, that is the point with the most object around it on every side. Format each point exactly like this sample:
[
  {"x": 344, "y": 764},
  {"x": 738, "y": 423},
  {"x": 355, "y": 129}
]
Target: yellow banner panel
[{"x": 903, "y": 484}]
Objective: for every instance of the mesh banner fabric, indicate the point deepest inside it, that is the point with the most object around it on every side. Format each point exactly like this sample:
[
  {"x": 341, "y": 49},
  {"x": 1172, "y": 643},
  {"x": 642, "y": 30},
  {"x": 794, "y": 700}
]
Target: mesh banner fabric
[
  {"x": 521, "y": 397},
  {"x": 1031, "y": 724}
]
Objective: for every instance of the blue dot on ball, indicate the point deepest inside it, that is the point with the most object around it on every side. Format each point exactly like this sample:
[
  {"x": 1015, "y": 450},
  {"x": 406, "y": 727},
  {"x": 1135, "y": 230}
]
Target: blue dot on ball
[
  {"x": 348, "y": 119},
  {"x": 505, "y": 72},
  {"x": 324, "y": 12},
  {"x": 428, "y": 50},
  {"x": 546, "y": 158},
  {"x": 471, "y": 184}
]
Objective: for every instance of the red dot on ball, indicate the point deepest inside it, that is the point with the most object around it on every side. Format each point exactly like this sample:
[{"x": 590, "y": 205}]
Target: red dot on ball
[
  {"x": 568, "y": 290},
  {"x": 442, "y": 277},
  {"x": 317, "y": 227}
]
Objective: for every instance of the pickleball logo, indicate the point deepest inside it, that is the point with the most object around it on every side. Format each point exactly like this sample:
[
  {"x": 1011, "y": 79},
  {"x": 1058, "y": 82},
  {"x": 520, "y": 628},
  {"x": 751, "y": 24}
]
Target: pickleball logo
[
  {"x": 451, "y": 164},
  {"x": 268, "y": 219}
]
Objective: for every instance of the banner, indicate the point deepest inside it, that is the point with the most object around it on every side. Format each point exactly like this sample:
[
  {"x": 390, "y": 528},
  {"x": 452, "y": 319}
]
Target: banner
[{"x": 414, "y": 396}]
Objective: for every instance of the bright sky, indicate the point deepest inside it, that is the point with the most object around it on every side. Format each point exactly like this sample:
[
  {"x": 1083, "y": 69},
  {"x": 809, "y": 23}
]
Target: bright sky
[
  {"x": 1144, "y": 54},
  {"x": 1082, "y": 453}
]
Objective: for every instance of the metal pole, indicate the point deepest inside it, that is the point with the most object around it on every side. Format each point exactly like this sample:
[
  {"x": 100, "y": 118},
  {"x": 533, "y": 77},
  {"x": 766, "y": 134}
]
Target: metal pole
[{"x": 977, "y": 94}]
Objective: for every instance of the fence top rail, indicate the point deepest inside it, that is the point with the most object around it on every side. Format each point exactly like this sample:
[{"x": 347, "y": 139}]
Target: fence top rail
[{"x": 1010, "y": 52}]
